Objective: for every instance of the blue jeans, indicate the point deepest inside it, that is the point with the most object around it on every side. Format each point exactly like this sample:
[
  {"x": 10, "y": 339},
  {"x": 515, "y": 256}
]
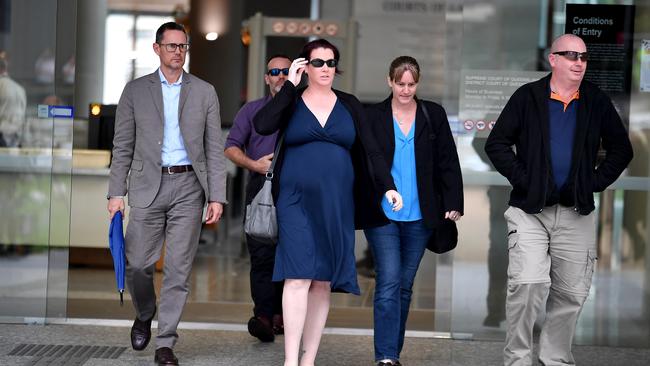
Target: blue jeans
[{"x": 397, "y": 249}]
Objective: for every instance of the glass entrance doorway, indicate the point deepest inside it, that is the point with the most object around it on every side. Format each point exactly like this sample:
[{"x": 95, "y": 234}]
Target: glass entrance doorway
[{"x": 37, "y": 70}]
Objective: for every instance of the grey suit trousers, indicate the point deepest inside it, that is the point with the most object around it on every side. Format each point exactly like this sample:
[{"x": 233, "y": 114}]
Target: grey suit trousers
[
  {"x": 552, "y": 256},
  {"x": 173, "y": 218}
]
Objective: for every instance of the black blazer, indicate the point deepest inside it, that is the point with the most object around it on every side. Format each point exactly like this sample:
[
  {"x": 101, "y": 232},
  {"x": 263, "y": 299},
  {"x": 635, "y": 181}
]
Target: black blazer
[
  {"x": 372, "y": 176},
  {"x": 439, "y": 180}
]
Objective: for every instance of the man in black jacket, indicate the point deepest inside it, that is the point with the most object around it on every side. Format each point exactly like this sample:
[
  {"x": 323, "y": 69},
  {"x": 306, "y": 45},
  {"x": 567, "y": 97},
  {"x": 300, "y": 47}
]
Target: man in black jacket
[{"x": 556, "y": 125}]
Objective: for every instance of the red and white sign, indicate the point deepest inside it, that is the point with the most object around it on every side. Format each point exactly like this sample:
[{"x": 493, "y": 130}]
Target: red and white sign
[
  {"x": 469, "y": 124},
  {"x": 480, "y": 125},
  {"x": 491, "y": 124}
]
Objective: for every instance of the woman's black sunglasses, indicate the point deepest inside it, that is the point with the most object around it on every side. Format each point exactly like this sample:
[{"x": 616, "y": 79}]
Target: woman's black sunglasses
[
  {"x": 317, "y": 62},
  {"x": 276, "y": 71}
]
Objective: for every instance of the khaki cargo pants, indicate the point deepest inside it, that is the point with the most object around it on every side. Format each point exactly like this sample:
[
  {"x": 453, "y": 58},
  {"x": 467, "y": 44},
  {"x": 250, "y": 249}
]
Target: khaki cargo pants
[{"x": 552, "y": 254}]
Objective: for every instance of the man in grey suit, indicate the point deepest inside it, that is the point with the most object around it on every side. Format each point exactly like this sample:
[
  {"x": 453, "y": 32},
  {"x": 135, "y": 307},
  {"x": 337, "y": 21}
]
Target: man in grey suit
[{"x": 168, "y": 142}]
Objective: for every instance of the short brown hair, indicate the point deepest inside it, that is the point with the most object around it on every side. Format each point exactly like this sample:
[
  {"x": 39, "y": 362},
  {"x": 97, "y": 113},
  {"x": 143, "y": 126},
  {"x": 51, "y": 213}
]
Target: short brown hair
[{"x": 400, "y": 65}]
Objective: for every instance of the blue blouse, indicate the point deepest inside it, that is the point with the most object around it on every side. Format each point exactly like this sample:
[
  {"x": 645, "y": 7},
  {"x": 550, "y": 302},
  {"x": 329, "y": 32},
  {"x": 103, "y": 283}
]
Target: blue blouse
[{"x": 403, "y": 172}]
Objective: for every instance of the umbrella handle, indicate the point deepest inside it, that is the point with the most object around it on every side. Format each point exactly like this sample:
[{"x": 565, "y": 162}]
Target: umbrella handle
[{"x": 121, "y": 297}]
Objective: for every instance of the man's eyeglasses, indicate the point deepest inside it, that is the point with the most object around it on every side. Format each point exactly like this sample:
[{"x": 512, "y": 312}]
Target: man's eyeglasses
[
  {"x": 276, "y": 71},
  {"x": 573, "y": 55},
  {"x": 317, "y": 62},
  {"x": 171, "y": 47}
]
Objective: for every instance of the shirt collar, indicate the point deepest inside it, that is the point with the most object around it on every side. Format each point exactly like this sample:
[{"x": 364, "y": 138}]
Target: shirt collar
[
  {"x": 164, "y": 80},
  {"x": 565, "y": 102}
]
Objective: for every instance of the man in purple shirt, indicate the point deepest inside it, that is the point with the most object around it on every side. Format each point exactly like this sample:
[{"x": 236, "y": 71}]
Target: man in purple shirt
[{"x": 254, "y": 152}]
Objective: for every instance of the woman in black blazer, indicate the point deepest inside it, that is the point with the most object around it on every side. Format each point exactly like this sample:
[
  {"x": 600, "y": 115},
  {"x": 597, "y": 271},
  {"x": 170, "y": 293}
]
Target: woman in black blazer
[{"x": 416, "y": 141}]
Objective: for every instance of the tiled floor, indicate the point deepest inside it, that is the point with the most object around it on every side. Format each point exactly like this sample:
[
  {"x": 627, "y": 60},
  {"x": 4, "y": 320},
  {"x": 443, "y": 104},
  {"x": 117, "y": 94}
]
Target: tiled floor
[{"x": 237, "y": 348}]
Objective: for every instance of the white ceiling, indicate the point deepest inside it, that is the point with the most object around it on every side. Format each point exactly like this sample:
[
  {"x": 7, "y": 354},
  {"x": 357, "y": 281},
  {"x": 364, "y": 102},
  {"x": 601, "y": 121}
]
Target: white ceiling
[{"x": 148, "y": 5}]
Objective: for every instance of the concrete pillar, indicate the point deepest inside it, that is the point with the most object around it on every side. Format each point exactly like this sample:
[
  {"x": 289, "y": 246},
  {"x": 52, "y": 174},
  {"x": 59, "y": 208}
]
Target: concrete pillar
[{"x": 89, "y": 71}]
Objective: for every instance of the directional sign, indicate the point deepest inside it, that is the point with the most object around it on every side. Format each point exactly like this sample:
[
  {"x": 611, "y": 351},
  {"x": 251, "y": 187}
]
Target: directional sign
[{"x": 55, "y": 111}]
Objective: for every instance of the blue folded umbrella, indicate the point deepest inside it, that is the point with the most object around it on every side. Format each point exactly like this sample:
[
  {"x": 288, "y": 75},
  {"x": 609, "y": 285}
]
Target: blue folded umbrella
[{"x": 116, "y": 243}]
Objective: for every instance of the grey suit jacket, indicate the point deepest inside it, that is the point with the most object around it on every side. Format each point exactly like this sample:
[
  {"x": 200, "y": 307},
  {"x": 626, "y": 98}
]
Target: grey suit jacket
[{"x": 137, "y": 145}]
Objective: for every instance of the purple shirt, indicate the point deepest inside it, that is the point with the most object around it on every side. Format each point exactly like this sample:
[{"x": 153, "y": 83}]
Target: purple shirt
[{"x": 243, "y": 135}]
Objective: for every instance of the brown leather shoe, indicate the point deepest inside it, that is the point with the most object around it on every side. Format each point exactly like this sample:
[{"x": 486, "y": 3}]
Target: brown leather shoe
[
  {"x": 165, "y": 356},
  {"x": 261, "y": 328},
  {"x": 141, "y": 333}
]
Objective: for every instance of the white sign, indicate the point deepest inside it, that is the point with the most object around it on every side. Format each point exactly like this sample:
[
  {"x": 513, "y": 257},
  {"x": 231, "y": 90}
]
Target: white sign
[{"x": 484, "y": 93}]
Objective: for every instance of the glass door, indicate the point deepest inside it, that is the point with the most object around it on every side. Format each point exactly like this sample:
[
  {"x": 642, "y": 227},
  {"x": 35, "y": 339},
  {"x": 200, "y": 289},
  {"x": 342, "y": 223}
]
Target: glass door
[{"x": 36, "y": 118}]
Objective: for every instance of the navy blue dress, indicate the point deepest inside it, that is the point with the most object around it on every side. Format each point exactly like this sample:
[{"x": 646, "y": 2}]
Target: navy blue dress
[{"x": 315, "y": 206}]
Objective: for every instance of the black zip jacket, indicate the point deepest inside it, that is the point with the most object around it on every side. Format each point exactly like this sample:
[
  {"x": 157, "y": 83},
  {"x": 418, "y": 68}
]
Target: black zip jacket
[
  {"x": 524, "y": 124},
  {"x": 371, "y": 174}
]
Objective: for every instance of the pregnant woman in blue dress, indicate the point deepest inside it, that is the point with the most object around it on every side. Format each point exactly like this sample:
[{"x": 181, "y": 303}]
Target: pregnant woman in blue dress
[{"x": 322, "y": 169}]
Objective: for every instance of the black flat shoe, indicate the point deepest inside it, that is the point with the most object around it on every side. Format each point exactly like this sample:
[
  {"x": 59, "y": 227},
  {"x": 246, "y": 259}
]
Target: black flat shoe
[
  {"x": 165, "y": 356},
  {"x": 141, "y": 333}
]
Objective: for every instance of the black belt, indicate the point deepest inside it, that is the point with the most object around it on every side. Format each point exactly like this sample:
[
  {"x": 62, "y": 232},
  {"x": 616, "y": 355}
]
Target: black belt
[{"x": 177, "y": 169}]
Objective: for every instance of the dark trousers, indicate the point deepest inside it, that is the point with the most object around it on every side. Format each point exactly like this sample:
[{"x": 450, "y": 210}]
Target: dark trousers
[{"x": 267, "y": 295}]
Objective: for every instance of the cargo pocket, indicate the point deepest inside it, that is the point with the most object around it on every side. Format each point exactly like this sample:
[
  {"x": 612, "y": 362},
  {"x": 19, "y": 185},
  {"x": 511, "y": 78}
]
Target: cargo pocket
[
  {"x": 514, "y": 256},
  {"x": 589, "y": 269}
]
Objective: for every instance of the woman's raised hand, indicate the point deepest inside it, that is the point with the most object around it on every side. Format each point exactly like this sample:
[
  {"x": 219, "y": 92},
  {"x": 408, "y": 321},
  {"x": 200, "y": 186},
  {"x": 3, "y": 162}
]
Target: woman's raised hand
[{"x": 296, "y": 69}]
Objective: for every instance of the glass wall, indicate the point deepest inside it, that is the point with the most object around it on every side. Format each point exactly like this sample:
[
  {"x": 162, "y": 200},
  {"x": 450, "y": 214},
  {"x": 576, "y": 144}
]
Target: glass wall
[
  {"x": 36, "y": 74},
  {"x": 511, "y": 38}
]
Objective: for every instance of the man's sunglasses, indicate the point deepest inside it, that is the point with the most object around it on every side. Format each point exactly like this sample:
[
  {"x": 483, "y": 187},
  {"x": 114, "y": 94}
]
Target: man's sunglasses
[
  {"x": 317, "y": 62},
  {"x": 573, "y": 55},
  {"x": 276, "y": 71}
]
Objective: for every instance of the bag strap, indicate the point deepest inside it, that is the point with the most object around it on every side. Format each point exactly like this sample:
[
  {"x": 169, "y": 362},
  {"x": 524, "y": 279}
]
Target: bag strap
[
  {"x": 427, "y": 119},
  {"x": 269, "y": 173},
  {"x": 426, "y": 113}
]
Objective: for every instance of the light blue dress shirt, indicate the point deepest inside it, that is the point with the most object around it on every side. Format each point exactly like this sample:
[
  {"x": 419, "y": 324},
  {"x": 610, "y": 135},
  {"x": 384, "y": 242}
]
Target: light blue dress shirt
[
  {"x": 403, "y": 172},
  {"x": 173, "y": 148}
]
